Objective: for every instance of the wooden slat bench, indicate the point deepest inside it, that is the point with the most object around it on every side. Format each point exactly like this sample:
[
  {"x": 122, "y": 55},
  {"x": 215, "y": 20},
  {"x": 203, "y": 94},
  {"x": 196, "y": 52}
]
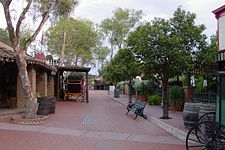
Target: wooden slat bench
[{"x": 137, "y": 107}]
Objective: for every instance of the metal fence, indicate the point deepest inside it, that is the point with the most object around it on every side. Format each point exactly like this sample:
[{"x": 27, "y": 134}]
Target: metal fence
[{"x": 205, "y": 97}]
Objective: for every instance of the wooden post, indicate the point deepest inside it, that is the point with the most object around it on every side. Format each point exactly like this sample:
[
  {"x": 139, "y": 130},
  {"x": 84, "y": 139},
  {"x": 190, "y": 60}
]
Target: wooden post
[{"x": 87, "y": 98}]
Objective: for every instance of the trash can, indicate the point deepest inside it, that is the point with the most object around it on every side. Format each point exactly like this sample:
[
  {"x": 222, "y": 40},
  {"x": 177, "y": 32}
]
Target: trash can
[{"x": 116, "y": 93}]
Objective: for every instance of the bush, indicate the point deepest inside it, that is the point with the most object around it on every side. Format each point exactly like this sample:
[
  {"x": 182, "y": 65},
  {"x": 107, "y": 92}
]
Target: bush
[{"x": 154, "y": 100}]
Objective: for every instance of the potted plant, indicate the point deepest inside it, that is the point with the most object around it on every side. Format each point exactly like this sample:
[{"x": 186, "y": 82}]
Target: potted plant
[
  {"x": 143, "y": 90},
  {"x": 176, "y": 97}
]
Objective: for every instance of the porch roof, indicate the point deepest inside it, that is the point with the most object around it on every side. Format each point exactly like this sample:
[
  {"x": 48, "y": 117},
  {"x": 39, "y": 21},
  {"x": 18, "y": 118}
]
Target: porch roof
[
  {"x": 73, "y": 68},
  {"x": 219, "y": 11},
  {"x": 8, "y": 55}
]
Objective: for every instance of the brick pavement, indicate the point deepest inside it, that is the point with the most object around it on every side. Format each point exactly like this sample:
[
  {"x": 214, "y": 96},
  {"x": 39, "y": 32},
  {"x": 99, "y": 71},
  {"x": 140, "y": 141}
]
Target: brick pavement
[
  {"x": 175, "y": 126},
  {"x": 100, "y": 124}
]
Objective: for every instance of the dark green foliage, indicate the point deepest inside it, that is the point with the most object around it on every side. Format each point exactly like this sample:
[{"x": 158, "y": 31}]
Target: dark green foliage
[
  {"x": 154, "y": 100},
  {"x": 166, "y": 48},
  {"x": 172, "y": 83},
  {"x": 122, "y": 67},
  {"x": 176, "y": 94},
  {"x": 185, "y": 80}
]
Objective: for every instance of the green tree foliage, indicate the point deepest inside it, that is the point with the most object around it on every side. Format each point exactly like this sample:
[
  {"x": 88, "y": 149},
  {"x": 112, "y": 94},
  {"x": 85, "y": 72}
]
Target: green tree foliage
[
  {"x": 207, "y": 56},
  {"x": 117, "y": 28},
  {"x": 165, "y": 47},
  {"x": 4, "y": 36},
  {"x": 80, "y": 42},
  {"x": 123, "y": 67},
  {"x": 129, "y": 67},
  {"x": 101, "y": 53}
]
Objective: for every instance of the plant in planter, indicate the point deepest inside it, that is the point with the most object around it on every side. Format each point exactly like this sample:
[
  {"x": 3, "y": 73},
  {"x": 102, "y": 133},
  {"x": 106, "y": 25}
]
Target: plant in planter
[
  {"x": 121, "y": 86},
  {"x": 144, "y": 88},
  {"x": 154, "y": 100},
  {"x": 176, "y": 96}
]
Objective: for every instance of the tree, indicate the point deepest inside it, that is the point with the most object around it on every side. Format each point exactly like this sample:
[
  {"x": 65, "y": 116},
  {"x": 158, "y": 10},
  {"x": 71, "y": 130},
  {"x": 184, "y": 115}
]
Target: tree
[
  {"x": 117, "y": 28},
  {"x": 101, "y": 53},
  {"x": 112, "y": 72},
  {"x": 42, "y": 9},
  {"x": 128, "y": 66},
  {"x": 75, "y": 39},
  {"x": 166, "y": 51}
]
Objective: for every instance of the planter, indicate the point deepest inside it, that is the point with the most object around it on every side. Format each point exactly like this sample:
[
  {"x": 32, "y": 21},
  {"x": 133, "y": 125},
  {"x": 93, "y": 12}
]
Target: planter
[{"x": 177, "y": 107}]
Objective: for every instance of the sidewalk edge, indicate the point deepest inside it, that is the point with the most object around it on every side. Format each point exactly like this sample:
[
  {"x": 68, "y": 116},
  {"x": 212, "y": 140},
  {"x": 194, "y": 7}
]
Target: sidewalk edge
[{"x": 170, "y": 129}]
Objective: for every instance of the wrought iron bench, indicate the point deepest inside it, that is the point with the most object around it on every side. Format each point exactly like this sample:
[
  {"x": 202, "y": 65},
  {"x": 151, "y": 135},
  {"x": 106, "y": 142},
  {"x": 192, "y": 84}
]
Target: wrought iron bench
[{"x": 137, "y": 107}]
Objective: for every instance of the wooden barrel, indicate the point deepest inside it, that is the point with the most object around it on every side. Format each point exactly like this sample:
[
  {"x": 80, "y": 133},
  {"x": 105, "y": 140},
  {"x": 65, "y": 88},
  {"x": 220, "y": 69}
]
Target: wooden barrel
[
  {"x": 190, "y": 114},
  {"x": 47, "y": 105},
  {"x": 206, "y": 108},
  {"x": 43, "y": 110},
  {"x": 53, "y": 103},
  {"x": 50, "y": 101}
]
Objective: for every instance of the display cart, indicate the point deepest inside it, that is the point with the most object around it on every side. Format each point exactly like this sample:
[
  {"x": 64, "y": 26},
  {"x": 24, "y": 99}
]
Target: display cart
[{"x": 74, "y": 89}]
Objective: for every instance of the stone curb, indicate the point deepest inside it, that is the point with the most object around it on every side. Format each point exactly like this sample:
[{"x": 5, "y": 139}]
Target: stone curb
[{"x": 168, "y": 128}]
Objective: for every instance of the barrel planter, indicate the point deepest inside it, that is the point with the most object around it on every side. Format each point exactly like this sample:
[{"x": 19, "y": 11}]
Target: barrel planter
[
  {"x": 43, "y": 110},
  {"x": 206, "y": 108},
  {"x": 52, "y": 101},
  {"x": 190, "y": 114},
  {"x": 47, "y": 105}
]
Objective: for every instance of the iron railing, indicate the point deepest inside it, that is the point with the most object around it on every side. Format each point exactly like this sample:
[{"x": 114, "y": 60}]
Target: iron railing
[{"x": 204, "y": 97}]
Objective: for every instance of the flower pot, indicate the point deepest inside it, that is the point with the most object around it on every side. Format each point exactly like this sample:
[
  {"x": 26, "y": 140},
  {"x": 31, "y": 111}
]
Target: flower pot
[
  {"x": 177, "y": 107},
  {"x": 143, "y": 98}
]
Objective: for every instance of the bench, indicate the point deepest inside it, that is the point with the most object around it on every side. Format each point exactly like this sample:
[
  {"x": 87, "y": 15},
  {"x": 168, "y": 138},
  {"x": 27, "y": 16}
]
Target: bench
[{"x": 137, "y": 107}]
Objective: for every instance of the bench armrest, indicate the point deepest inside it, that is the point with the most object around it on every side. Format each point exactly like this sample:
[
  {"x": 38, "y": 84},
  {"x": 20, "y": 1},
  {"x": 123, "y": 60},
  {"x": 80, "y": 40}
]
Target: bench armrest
[{"x": 130, "y": 105}]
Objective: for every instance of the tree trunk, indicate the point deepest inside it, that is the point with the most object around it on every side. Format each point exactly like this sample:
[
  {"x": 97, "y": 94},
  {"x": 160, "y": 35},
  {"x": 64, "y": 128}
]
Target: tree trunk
[
  {"x": 130, "y": 92},
  {"x": 63, "y": 49},
  {"x": 28, "y": 94},
  {"x": 112, "y": 51},
  {"x": 165, "y": 99}
]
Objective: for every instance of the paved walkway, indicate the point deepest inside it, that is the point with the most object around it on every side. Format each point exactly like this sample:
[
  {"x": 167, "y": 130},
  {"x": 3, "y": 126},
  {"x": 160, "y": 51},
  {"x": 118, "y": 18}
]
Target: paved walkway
[
  {"x": 100, "y": 124},
  {"x": 174, "y": 126}
]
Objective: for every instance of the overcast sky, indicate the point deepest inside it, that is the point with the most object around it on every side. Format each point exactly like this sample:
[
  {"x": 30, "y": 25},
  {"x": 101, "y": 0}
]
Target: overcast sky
[{"x": 97, "y": 10}]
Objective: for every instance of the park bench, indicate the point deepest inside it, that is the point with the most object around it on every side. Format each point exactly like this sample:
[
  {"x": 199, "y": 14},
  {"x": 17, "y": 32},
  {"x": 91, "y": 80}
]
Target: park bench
[{"x": 137, "y": 107}]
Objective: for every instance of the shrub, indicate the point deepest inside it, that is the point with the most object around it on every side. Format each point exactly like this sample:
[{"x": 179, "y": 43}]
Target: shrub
[
  {"x": 176, "y": 94},
  {"x": 154, "y": 100}
]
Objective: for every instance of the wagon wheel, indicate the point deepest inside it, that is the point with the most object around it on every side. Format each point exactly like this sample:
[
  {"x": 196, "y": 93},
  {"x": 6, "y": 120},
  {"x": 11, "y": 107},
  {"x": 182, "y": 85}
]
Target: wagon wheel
[
  {"x": 207, "y": 135},
  {"x": 210, "y": 116}
]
